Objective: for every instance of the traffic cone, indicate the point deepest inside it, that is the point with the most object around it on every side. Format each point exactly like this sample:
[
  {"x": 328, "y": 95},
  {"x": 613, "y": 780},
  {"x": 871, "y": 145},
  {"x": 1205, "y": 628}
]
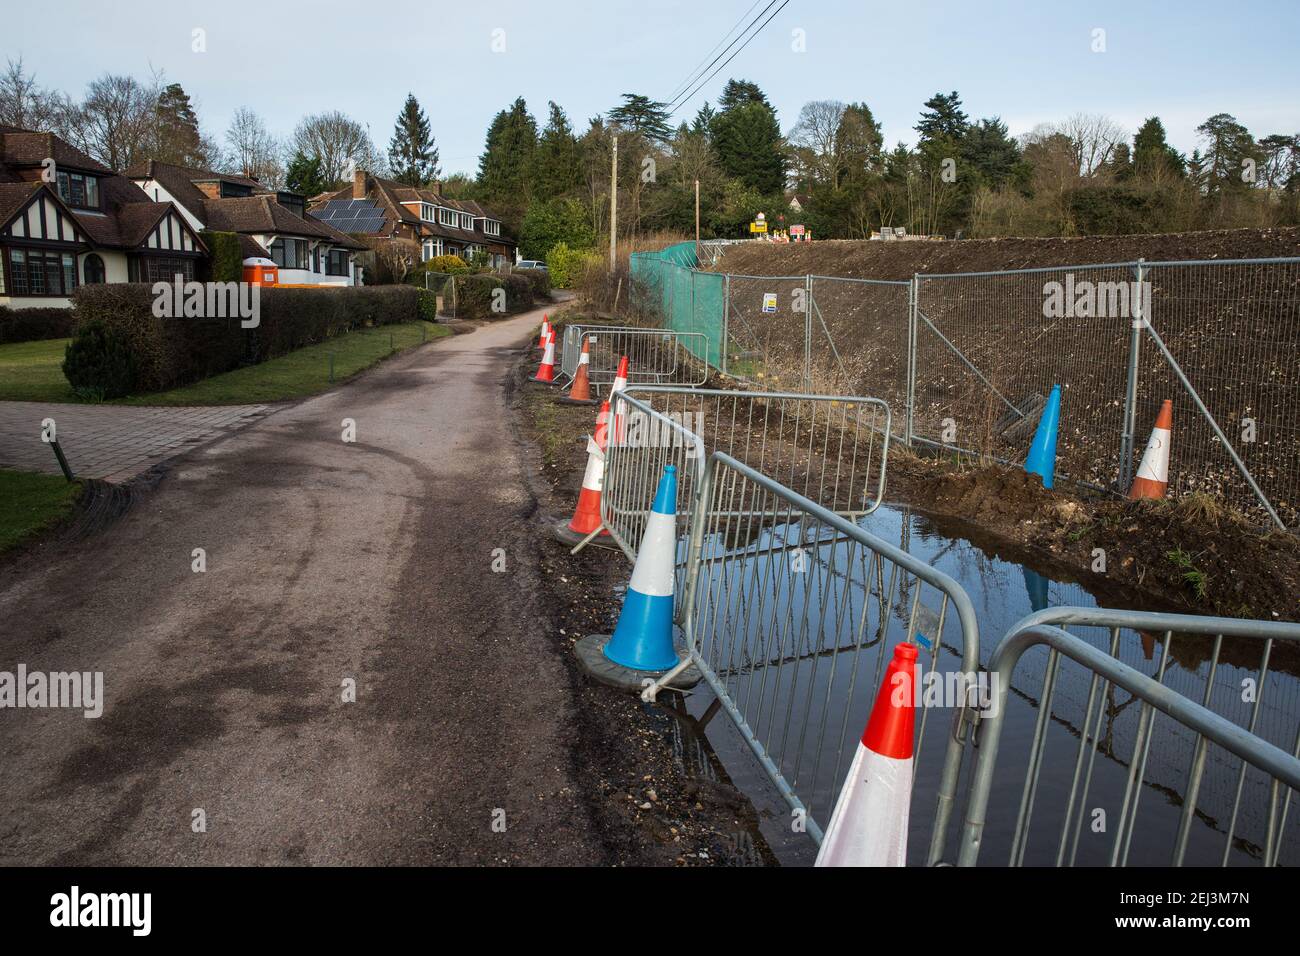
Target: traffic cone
[
  {"x": 1042, "y": 453},
  {"x": 580, "y": 390},
  {"x": 643, "y": 640},
  {"x": 546, "y": 330},
  {"x": 586, "y": 516},
  {"x": 620, "y": 379},
  {"x": 869, "y": 824},
  {"x": 1153, "y": 474},
  {"x": 546, "y": 371}
]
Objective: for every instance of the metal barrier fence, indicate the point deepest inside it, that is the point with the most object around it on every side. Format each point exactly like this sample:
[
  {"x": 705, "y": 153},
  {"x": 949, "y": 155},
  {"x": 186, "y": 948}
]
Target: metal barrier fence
[
  {"x": 655, "y": 356},
  {"x": 1248, "y": 815},
  {"x": 779, "y": 589},
  {"x": 969, "y": 359},
  {"x": 833, "y": 449}
]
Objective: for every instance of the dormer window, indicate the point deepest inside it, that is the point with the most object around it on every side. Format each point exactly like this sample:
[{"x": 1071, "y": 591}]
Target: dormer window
[
  {"x": 79, "y": 190},
  {"x": 447, "y": 217},
  {"x": 466, "y": 221},
  {"x": 492, "y": 227}
]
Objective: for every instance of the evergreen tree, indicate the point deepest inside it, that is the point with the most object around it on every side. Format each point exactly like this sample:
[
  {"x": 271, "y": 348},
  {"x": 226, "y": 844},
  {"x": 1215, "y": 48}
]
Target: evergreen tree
[
  {"x": 741, "y": 93},
  {"x": 858, "y": 142},
  {"x": 505, "y": 170},
  {"x": 177, "y": 137},
  {"x": 304, "y": 175},
  {"x": 643, "y": 115},
  {"x": 557, "y": 169},
  {"x": 990, "y": 155},
  {"x": 943, "y": 118},
  {"x": 750, "y": 148},
  {"x": 703, "y": 123},
  {"x": 1228, "y": 146},
  {"x": 1153, "y": 157},
  {"x": 411, "y": 152}
]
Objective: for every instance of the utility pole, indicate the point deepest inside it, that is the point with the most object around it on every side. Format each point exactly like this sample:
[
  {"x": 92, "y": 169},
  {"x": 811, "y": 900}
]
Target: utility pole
[
  {"x": 697, "y": 220},
  {"x": 613, "y": 211}
]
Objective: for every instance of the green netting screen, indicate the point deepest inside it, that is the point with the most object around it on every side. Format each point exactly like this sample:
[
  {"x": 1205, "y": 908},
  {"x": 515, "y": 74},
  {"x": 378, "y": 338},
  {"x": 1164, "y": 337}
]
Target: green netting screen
[{"x": 688, "y": 300}]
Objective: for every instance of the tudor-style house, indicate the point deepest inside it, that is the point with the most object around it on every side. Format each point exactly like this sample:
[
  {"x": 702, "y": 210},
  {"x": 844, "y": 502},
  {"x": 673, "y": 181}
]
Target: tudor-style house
[
  {"x": 271, "y": 224},
  {"x": 67, "y": 220},
  {"x": 431, "y": 222}
]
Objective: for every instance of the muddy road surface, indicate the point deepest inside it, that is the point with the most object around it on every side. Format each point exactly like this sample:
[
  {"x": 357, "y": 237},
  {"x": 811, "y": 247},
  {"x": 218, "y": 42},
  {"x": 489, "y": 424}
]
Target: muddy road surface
[{"x": 225, "y": 736}]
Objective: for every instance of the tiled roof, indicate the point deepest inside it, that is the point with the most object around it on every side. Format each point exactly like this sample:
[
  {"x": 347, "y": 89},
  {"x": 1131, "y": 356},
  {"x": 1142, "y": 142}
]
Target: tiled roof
[
  {"x": 13, "y": 197},
  {"x": 28, "y": 148},
  {"x": 391, "y": 194}
]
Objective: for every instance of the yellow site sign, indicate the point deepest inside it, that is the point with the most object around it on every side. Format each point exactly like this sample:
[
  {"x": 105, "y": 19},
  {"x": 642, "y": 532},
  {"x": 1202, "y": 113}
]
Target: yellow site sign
[{"x": 758, "y": 227}]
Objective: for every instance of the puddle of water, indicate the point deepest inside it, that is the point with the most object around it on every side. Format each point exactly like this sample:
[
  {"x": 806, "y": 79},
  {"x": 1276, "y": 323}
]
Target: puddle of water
[{"x": 1002, "y": 593}]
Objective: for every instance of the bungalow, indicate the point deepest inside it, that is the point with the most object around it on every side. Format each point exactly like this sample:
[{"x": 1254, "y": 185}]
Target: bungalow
[
  {"x": 436, "y": 224},
  {"x": 270, "y": 224},
  {"x": 67, "y": 220}
]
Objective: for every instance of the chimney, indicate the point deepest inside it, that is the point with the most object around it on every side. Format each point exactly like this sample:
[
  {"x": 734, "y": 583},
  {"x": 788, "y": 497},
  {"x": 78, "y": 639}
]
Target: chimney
[{"x": 359, "y": 184}]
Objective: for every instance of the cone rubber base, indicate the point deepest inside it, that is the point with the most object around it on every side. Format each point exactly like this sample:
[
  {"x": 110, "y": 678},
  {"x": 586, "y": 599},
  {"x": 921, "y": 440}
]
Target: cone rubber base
[
  {"x": 591, "y": 656},
  {"x": 542, "y": 381},
  {"x": 567, "y": 536},
  {"x": 576, "y": 401}
]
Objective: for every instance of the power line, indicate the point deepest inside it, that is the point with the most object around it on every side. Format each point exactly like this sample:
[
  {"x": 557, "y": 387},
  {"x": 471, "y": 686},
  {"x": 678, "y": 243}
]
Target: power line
[
  {"x": 701, "y": 84},
  {"x": 676, "y": 104},
  {"x": 700, "y": 67}
]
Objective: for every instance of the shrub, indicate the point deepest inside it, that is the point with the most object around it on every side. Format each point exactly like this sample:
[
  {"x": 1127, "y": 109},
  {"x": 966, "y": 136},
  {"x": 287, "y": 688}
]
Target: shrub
[
  {"x": 30, "y": 325},
  {"x": 566, "y": 264},
  {"x": 173, "y": 351},
  {"x": 225, "y": 261},
  {"x": 448, "y": 265},
  {"x": 540, "y": 278},
  {"x": 473, "y": 296},
  {"x": 428, "y": 305},
  {"x": 99, "y": 362}
]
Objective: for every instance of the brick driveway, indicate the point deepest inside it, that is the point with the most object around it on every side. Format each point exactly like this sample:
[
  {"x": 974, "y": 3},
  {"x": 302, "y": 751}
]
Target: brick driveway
[{"x": 110, "y": 441}]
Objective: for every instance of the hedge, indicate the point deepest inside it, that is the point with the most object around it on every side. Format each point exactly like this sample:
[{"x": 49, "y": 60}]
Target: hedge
[
  {"x": 30, "y": 325},
  {"x": 474, "y": 295},
  {"x": 225, "y": 258},
  {"x": 540, "y": 278},
  {"x": 174, "y": 351}
]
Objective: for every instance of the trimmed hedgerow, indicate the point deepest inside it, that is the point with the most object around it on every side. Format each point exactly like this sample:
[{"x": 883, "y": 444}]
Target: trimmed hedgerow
[
  {"x": 474, "y": 295},
  {"x": 540, "y": 278},
  {"x": 428, "y": 305},
  {"x": 175, "y": 351},
  {"x": 30, "y": 325},
  {"x": 225, "y": 259}
]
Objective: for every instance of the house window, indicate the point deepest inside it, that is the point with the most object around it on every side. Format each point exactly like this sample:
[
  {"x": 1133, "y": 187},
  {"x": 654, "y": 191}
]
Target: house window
[
  {"x": 166, "y": 269},
  {"x": 289, "y": 253},
  {"x": 466, "y": 221},
  {"x": 446, "y": 217},
  {"x": 336, "y": 262},
  {"x": 79, "y": 190},
  {"x": 92, "y": 269},
  {"x": 33, "y": 272},
  {"x": 492, "y": 227}
]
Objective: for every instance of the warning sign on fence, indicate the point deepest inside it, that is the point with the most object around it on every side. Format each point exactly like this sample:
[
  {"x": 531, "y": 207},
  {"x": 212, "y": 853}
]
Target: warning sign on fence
[{"x": 769, "y": 301}]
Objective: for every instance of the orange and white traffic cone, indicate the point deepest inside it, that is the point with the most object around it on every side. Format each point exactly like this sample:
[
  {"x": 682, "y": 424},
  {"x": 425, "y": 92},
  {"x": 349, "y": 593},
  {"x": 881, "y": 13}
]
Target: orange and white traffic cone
[
  {"x": 546, "y": 371},
  {"x": 620, "y": 383},
  {"x": 546, "y": 330},
  {"x": 580, "y": 390},
  {"x": 586, "y": 516},
  {"x": 1153, "y": 474},
  {"x": 869, "y": 824}
]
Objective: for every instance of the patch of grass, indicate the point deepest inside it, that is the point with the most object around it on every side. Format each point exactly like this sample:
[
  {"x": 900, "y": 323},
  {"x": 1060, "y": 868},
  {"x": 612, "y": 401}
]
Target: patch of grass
[
  {"x": 550, "y": 432},
  {"x": 33, "y": 372},
  {"x": 298, "y": 374},
  {"x": 1196, "y": 580},
  {"x": 30, "y": 503}
]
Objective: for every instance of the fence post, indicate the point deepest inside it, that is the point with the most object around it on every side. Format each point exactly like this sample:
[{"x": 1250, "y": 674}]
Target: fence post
[
  {"x": 1130, "y": 391},
  {"x": 913, "y": 304},
  {"x": 726, "y": 317},
  {"x": 807, "y": 333}
]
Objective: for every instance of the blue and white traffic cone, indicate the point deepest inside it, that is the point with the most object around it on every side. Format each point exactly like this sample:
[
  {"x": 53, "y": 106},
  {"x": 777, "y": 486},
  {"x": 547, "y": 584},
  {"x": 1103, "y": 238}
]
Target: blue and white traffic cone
[
  {"x": 643, "y": 639},
  {"x": 1041, "y": 460}
]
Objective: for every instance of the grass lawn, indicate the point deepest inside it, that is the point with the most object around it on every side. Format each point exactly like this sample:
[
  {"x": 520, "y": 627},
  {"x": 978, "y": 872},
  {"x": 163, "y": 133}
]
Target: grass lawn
[
  {"x": 30, "y": 503},
  {"x": 30, "y": 371}
]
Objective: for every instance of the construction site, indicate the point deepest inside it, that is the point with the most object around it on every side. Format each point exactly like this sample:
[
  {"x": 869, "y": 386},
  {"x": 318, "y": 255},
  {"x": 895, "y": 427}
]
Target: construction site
[{"x": 801, "y": 476}]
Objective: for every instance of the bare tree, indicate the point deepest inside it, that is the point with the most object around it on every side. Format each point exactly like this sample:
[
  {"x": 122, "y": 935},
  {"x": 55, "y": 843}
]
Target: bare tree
[
  {"x": 117, "y": 120},
  {"x": 1092, "y": 137},
  {"x": 254, "y": 151},
  {"x": 27, "y": 105},
  {"x": 815, "y": 140},
  {"x": 340, "y": 143}
]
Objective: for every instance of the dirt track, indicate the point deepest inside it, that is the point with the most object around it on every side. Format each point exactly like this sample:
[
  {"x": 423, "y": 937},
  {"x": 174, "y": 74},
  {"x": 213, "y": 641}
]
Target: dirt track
[{"x": 325, "y": 561}]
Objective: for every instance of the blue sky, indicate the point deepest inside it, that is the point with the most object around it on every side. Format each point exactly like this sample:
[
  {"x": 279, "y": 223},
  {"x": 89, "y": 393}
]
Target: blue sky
[{"x": 1029, "y": 62}]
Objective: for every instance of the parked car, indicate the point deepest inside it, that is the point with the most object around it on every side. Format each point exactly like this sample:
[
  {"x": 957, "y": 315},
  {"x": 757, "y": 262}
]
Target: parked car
[{"x": 531, "y": 264}]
